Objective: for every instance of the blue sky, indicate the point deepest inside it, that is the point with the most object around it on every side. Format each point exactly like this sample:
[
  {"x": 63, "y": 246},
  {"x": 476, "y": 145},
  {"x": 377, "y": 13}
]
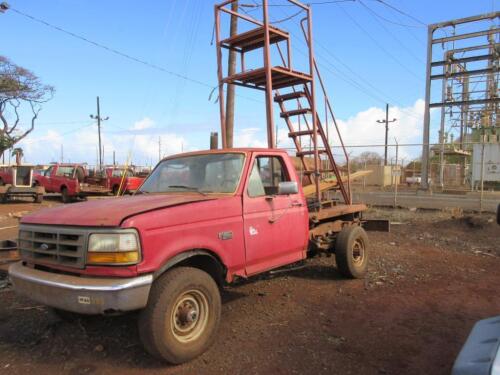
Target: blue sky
[{"x": 365, "y": 58}]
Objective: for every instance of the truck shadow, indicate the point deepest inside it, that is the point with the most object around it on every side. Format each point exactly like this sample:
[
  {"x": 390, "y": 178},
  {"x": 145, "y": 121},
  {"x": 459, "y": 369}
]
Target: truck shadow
[{"x": 35, "y": 334}]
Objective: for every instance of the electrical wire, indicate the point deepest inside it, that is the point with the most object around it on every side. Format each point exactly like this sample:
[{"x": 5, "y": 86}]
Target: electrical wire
[
  {"x": 380, "y": 46},
  {"x": 386, "y": 19},
  {"x": 402, "y": 12},
  {"x": 393, "y": 35},
  {"x": 121, "y": 54}
]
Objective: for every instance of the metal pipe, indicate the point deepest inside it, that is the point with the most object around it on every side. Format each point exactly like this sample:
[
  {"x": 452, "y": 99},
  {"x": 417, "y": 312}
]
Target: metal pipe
[
  {"x": 465, "y": 36},
  {"x": 462, "y": 102},
  {"x": 242, "y": 16},
  {"x": 220, "y": 78},
  {"x": 465, "y": 73},
  {"x": 269, "y": 82},
  {"x": 459, "y": 21},
  {"x": 424, "y": 183},
  {"x": 313, "y": 104}
]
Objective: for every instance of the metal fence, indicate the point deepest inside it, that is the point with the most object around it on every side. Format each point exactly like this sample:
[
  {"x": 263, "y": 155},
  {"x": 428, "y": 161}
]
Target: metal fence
[{"x": 467, "y": 179}]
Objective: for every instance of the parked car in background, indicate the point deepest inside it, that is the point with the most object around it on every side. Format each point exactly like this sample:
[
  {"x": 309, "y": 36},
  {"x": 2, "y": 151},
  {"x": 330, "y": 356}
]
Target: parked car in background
[
  {"x": 121, "y": 180},
  {"x": 71, "y": 181},
  {"x": 5, "y": 175}
]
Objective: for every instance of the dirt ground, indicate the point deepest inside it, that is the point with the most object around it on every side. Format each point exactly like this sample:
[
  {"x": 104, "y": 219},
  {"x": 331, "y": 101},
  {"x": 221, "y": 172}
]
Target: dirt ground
[{"x": 430, "y": 279}]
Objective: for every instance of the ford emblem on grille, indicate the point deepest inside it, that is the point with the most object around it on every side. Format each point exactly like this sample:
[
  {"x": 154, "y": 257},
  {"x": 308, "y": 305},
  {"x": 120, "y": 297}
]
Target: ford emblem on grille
[{"x": 44, "y": 246}]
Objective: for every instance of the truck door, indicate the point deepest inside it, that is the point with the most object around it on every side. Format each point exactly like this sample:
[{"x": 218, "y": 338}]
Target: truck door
[
  {"x": 46, "y": 179},
  {"x": 276, "y": 226}
]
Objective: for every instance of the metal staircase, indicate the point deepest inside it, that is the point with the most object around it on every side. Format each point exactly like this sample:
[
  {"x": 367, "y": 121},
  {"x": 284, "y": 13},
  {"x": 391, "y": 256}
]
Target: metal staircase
[{"x": 293, "y": 91}]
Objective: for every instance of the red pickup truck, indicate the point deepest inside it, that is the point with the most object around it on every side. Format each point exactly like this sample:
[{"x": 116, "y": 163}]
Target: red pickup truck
[
  {"x": 66, "y": 179},
  {"x": 75, "y": 181},
  {"x": 200, "y": 220},
  {"x": 5, "y": 175},
  {"x": 120, "y": 180}
]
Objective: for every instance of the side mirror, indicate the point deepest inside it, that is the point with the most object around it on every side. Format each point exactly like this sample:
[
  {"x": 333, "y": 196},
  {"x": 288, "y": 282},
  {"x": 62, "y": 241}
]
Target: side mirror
[{"x": 287, "y": 188}]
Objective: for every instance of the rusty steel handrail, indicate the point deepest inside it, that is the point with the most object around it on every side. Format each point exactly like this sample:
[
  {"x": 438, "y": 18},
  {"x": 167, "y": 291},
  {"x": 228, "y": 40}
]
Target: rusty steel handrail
[{"x": 328, "y": 104}]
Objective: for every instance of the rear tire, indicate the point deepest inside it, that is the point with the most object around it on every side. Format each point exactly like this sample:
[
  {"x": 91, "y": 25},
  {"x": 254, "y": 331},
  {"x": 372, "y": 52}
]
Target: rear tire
[
  {"x": 181, "y": 318},
  {"x": 38, "y": 198},
  {"x": 65, "y": 195},
  {"x": 351, "y": 252}
]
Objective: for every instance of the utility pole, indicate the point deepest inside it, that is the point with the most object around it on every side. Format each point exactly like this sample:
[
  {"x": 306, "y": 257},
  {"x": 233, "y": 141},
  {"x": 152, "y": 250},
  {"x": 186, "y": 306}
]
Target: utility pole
[
  {"x": 159, "y": 148},
  {"x": 233, "y": 30},
  {"x": 62, "y": 153},
  {"x": 99, "y": 119},
  {"x": 386, "y": 122}
]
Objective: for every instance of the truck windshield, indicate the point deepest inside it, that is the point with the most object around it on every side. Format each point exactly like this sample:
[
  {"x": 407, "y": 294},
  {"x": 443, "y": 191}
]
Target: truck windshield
[
  {"x": 209, "y": 173},
  {"x": 121, "y": 172}
]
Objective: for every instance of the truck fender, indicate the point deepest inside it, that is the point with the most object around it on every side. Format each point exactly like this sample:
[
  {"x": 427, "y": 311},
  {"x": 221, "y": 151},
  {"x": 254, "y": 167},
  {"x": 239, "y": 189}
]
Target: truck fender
[{"x": 198, "y": 258}]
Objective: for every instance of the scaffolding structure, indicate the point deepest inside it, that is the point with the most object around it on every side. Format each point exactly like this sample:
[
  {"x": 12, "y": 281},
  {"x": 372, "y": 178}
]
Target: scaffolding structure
[
  {"x": 464, "y": 58},
  {"x": 295, "y": 92}
]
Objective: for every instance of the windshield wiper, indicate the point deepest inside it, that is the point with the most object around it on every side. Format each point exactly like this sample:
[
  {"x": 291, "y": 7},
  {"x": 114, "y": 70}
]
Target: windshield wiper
[{"x": 192, "y": 188}]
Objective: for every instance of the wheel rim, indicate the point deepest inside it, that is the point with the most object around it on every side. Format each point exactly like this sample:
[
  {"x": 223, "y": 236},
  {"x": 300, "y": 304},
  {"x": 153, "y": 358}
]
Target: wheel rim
[
  {"x": 189, "y": 316},
  {"x": 358, "y": 251}
]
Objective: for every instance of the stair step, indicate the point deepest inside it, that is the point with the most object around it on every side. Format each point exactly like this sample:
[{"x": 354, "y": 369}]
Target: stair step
[
  {"x": 295, "y": 112},
  {"x": 300, "y": 133},
  {"x": 311, "y": 152},
  {"x": 290, "y": 96}
]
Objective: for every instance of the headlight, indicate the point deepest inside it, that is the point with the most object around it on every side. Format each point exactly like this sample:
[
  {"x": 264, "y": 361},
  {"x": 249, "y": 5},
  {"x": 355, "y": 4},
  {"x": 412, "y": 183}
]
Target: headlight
[{"x": 113, "y": 248}]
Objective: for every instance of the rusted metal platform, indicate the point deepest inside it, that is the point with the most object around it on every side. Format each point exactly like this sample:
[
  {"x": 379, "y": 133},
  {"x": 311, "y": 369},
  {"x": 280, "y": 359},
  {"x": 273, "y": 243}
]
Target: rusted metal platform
[
  {"x": 327, "y": 213},
  {"x": 281, "y": 77},
  {"x": 254, "y": 39}
]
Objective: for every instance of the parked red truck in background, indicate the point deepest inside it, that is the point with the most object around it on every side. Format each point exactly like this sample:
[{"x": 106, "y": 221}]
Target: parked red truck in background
[
  {"x": 5, "y": 175},
  {"x": 66, "y": 179},
  {"x": 200, "y": 220},
  {"x": 120, "y": 180},
  {"x": 76, "y": 181}
]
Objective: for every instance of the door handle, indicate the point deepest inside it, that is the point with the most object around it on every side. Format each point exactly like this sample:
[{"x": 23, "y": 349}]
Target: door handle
[{"x": 296, "y": 204}]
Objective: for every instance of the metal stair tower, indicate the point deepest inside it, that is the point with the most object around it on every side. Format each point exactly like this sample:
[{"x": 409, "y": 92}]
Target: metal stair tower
[{"x": 284, "y": 87}]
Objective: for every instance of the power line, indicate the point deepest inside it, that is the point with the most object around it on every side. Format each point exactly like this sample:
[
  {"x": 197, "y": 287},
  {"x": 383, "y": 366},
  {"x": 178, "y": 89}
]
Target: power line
[
  {"x": 255, "y": 5},
  {"x": 386, "y": 19},
  {"x": 381, "y": 47},
  {"x": 391, "y": 34},
  {"x": 349, "y": 80},
  {"x": 109, "y": 49},
  {"x": 119, "y": 53},
  {"x": 401, "y": 12}
]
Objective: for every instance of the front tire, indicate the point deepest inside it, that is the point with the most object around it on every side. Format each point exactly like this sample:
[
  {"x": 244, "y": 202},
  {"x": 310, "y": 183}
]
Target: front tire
[
  {"x": 38, "y": 198},
  {"x": 351, "y": 252},
  {"x": 181, "y": 318}
]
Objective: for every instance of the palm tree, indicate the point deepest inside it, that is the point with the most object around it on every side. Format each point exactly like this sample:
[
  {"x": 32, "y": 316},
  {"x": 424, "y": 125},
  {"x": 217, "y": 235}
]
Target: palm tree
[{"x": 18, "y": 153}]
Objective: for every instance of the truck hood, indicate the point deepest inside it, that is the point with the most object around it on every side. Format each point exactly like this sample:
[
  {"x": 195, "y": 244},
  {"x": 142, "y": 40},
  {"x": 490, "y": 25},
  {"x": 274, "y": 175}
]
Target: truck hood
[{"x": 107, "y": 212}]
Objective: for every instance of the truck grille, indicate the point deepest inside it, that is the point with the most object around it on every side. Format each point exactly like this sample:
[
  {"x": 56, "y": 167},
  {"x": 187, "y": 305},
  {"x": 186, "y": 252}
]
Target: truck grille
[{"x": 53, "y": 245}]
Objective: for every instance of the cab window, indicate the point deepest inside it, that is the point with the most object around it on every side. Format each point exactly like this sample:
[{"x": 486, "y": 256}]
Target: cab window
[{"x": 267, "y": 173}]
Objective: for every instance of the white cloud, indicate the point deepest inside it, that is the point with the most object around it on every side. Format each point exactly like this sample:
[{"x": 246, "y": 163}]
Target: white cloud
[
  {"x": 82, "y": 145},
  {"x": 141, "y": 140},
  {"x": 145, "y": 123}
]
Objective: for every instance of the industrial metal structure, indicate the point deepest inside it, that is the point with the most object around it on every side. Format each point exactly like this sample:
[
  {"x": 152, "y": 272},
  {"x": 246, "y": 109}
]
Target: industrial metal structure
[
  {"x": 464, "y": 57},
  {"x": 286, "y": 87}
]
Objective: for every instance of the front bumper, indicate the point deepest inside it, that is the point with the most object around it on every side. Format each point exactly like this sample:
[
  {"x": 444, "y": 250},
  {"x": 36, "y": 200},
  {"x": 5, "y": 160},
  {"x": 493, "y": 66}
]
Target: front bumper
[{"x": 84, "y": 295}]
